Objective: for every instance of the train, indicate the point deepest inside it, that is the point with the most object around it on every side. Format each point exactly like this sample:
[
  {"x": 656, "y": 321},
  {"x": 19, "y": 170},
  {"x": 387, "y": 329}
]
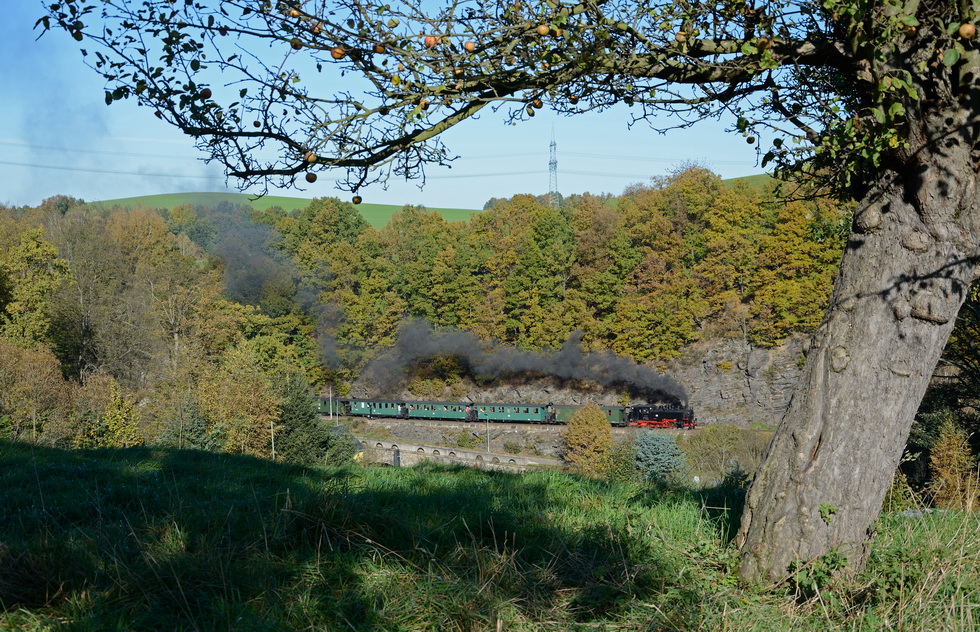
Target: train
[{"x": 642, "y": 416}]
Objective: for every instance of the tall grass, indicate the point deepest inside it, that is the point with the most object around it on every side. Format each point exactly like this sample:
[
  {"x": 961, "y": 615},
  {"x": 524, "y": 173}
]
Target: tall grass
[{"x": 144, "y": 539}]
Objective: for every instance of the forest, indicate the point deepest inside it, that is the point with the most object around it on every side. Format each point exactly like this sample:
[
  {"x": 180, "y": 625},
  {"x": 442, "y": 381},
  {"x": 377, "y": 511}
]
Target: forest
[{"x": 208, "y": 326}]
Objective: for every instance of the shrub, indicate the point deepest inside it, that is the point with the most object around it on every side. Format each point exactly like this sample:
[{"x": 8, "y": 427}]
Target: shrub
[
  {"x": 900, "y": 496},
  {"x": 657, "y": 456},
  {"x": 622, "y": 461},
  {"x": 586, "y": 443},
  {"x": 191, "y": 431},
  {"x": 953, "y": 484}
]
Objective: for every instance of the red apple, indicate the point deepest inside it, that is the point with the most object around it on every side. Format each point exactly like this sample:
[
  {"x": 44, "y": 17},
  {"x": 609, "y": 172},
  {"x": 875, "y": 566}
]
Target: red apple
[
  {"x": 338, "y": 52},
  {"x": 311, "y": 177},
  {"x": 431, "y": 40},
  {"x": 206, "y": 93},
  {"x": 967, "y": 31},
  {"x": 469, "y": 47}
]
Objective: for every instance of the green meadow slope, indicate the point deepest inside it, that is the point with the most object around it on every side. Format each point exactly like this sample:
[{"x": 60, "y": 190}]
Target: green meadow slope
[{"x": 376, "y": 214}]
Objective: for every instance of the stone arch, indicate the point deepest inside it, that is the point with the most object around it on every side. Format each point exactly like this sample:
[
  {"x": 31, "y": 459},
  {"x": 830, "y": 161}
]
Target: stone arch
[
  {"x": 421, "y": 451},
  {"x": 479, "y": 457},
  {"x": 495, "y": 460},
  {"x": 512, "y": 461},
  {"x": 436, "y": 453},
  {"x": 452, "y": 455},
  {"x": 379, "y": 445}
]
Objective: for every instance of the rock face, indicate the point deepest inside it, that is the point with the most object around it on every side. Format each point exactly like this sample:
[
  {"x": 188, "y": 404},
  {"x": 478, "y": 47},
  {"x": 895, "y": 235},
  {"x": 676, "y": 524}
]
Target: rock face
[
  {"x": 731, "y": 382},
  {"x": 728, "y": 382}
]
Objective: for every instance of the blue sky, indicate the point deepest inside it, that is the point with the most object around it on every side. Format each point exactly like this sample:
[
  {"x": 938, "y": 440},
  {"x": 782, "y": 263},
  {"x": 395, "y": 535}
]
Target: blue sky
[{"x": 57, "y": 136}]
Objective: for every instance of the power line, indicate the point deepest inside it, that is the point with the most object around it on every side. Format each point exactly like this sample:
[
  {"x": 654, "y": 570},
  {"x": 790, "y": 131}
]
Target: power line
[
  {"x": 90, "y": 151},
  {"x": 105, "y": 171}
]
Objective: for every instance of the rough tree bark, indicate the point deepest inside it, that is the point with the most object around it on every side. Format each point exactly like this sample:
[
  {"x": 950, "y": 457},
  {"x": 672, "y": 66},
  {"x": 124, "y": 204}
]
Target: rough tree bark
[{"x": 906, "y": 271}]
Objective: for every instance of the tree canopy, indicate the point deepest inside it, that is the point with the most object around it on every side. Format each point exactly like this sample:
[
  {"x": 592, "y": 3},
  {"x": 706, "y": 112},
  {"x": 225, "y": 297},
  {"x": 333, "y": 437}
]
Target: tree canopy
[{"x": 830, "y": 83}]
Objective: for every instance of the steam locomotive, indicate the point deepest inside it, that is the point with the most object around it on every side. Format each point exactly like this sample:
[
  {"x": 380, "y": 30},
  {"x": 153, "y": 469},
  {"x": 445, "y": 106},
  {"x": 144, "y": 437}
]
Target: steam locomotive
[{"x": 645, "y": 416}]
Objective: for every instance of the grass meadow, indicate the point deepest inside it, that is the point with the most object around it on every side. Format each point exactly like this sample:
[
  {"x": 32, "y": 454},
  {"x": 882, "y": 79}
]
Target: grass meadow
[
  {"x": 154, "y": 539},
  {"x": 376, "y": 215}
]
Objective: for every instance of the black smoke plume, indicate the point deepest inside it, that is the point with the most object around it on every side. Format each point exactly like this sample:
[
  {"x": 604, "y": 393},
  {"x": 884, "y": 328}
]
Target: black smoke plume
[{"x": 418, "y": 340}]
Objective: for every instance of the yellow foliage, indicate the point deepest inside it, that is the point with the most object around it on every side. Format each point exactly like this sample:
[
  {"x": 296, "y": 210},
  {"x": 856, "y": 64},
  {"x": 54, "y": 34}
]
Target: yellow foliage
[
  {"x": 587, "y": 442},
  {"x": 954, "y": 481}
]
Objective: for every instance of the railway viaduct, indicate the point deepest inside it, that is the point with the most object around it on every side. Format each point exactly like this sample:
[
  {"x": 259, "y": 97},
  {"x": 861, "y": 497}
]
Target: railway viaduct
[{"x": 402, "y": 453}]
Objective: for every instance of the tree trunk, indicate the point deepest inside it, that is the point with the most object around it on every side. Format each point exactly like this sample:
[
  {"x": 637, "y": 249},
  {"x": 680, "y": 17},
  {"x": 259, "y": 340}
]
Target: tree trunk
[{"x": 907, "y": 268}]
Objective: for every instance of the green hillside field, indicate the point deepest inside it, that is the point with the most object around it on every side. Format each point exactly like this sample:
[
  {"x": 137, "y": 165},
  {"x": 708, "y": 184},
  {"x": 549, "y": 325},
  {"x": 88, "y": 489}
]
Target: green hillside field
[{"x": 376, "y": 214}]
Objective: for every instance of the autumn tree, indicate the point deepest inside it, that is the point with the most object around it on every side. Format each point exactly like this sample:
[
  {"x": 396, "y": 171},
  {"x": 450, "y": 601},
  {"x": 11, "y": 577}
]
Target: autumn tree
[
  {"x": 586, "y": 443},
  {"x": 105, "y": 416},
  {"x": 239, "y": 401},
  {"x": 874, "y": 100},
  {"x": 32, "y": 273},
  {"x": 32, "y": 391}
]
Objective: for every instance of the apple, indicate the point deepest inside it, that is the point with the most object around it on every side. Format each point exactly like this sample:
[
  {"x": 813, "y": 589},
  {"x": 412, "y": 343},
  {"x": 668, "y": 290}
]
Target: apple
[
  {"x": 357, "y": 199},
  {"x": 310, "y": 156},
  {"x": 557, "y": 32},
  {"x": 763, "y": 43},
  {"x": 338, "y": 52},
  {"x": 967, "y": 31},
  {"x": 469, "y": 47},
  {"x": 573, "y": 99},
  {"x": 257, "y": 123},
  {"x": 543, "y": 29},
  {"x": 294, "y": 13},
  {"x": 296, "y": 43},
  {"x": 680, "y": 36},
  {"x": 379, "y": 48},
  {"x": 424, "y": 104},
  {"x": 311, "y": 177},
  {"x": 431, "y": 40},
  {"x": 529, "y": 110},
  {"x": 206, "y": 93},
  {"x": 537, "y": 103}
]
